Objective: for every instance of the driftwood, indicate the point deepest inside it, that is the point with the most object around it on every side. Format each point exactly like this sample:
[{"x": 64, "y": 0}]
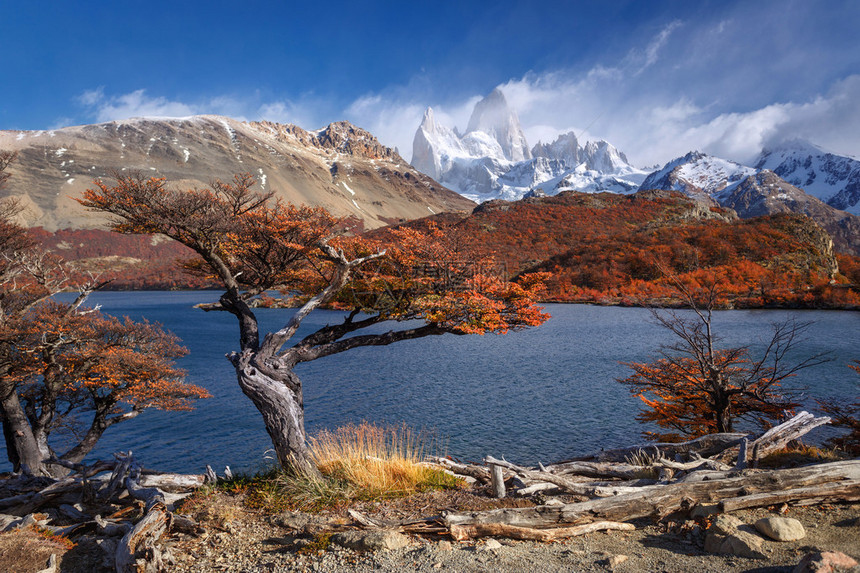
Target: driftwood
[
  {"x": 841, "y": 491},
  {"x": 138, "y": 549},
  {"x": 665, "y": 499},
  {"x": 497, "y": 480},
  {"x": 479, "y": 473},
  {"x": 562, "y": 482},
  {"x": 705, "y": 446},
  {"x": 779, "y": 436},
  {"x": 602, "y": 470},
  {"x": 138, "y": 552},
  {"x": 711, "y": 445},
  {"x": 466, "y": 532}
]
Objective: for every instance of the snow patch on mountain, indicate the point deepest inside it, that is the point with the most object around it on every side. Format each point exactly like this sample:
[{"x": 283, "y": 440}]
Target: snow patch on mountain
[{"x": 835, "y": 179}]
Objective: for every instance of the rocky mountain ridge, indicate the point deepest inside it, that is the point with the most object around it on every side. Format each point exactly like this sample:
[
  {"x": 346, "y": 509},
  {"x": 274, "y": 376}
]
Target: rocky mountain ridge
[
  {"x": 752, "y": 192},
  {"x": 492, "y": 159},
  {"x": 341, "y": 167},
  {"x": 793, "y": 177},
  {"x": 835, "y": 179}
]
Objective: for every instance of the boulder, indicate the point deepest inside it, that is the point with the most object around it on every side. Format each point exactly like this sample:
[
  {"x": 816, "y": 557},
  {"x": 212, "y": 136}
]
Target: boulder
[
  {"x": 781, "y": 528},
  {"x": 616, "y": 560},
  {"x": 370, "y": 540},
  {"x": 731, "y": 536},
  {"x": 826, "y": 562},
  {"x": 489, "y": 545}
]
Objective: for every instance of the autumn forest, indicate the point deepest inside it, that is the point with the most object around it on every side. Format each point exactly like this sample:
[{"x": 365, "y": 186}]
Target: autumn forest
[{"x": 597, "y": 248}]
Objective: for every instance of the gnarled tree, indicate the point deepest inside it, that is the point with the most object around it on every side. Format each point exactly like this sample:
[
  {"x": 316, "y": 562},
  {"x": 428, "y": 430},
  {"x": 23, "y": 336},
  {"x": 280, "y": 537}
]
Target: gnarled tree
[
  {"x": 60, "y": 362},
  {"x": 697, "y": 388},
  {"x": 253, "y": 244}
]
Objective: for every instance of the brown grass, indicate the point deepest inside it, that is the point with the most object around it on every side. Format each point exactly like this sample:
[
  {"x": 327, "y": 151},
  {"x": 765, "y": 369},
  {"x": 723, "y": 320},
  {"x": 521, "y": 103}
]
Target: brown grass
[
  {"x": 357, "y": 462},
  {"x": 377, "y": 461},
  {"x": 27, "y": 550}
]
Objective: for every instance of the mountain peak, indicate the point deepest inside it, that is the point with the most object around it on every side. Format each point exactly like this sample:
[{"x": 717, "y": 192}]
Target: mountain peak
[
  {"x": 796, "y": 145},
  {"x": 428, "y": 122},
  {"x": 565, "y": 148},
  {"x": 493, "y": 116}
]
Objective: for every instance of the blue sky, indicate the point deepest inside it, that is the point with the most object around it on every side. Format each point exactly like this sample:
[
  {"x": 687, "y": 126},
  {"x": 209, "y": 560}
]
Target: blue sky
[{"x": 657, "y": 79}]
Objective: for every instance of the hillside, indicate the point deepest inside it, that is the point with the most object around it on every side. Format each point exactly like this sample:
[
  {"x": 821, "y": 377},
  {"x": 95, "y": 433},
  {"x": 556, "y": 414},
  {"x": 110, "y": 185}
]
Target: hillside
[
  {"x": 615, "y": 249},
  {"x": 605, "y": 248},
  {"x": 753, "y": 192},
  {"x": 341, "y": 167}
]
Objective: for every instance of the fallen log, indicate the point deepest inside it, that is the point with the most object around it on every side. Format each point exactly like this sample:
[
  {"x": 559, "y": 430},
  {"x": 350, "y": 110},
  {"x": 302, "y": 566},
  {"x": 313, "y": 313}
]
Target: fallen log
[
  {"x": 599, "y": 470},
  {"x": 467, "y": 532},
  {"x": 30, "y": 502},
  {"x": 137, "y": 551},
  {"x": 576, "y": 488},
  {"x": 705, "y": 446},
  {"x": 662, "y": 500},
  {"x": 534, "y": 488},
  {"x": 693, "y": 465},
  {"x": 841, "y": 491},
  {"x": 779, "y": 436}
]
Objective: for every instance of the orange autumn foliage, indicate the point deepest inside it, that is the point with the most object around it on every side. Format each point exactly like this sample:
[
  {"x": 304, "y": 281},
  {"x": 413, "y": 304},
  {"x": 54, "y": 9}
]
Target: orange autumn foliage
[
  {"x": 95, "y": 369},
  {"x": 682, "y": 396},
  {"x": 596, "y": 248},
  {"x": 616, "y": 249},
  {"x": 438, "y": 278}
]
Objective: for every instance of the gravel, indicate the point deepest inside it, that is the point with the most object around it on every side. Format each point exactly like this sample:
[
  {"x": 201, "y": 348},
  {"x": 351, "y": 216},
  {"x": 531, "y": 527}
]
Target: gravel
[{"x": 254, "y": 544}]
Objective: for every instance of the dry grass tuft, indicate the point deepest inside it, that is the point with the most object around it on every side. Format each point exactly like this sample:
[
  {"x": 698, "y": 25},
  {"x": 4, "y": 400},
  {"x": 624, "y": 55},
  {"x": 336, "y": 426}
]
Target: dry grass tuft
[
  {"x": 376, "y": 461},
  {"x": 798, "y": 454},
  {"x": 357, "y": 462}
]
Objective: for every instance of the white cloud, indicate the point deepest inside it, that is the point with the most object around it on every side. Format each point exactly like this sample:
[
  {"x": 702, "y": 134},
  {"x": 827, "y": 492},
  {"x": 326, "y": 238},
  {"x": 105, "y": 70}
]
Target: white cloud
[
  {"x": 727, "y": 85},
  {"x": 92, "y": 97},
  {"x": 388, "y": 121},
  {"x": 653, "y": 49},
  {"x": 286, "y": 111},
  {"x": 134, "y": 104}
]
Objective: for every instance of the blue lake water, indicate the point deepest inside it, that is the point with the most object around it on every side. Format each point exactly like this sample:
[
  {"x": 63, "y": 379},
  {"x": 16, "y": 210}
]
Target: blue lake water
[{"x": 541, "y": 394}]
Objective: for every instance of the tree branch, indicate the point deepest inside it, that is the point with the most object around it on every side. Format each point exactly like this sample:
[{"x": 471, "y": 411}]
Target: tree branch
[
  {"x": 307, "y": 354},
  {"x": 273, "y": 341}
]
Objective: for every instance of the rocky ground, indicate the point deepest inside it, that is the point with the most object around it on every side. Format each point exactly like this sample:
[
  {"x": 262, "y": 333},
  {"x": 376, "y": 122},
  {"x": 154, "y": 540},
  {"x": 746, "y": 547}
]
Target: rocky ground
[{"x": 239, "y": 539}]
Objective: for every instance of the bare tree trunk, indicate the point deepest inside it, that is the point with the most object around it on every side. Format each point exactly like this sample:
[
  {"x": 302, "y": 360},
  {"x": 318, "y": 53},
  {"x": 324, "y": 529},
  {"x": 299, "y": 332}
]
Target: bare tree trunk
[
  {"x": 27, "y": 456},
  {"x": 277, "y": 395}
]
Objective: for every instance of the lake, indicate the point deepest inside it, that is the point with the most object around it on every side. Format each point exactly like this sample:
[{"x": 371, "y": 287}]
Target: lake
[{"x": 542, "y": 394}]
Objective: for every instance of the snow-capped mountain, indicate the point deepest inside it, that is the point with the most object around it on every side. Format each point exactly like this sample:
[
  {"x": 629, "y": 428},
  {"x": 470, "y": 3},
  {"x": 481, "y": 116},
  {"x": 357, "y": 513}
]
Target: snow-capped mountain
[
  {"x": 752, "y": 192},
  {"x": 698, "y": 175},
  {"x": 492, "y": 159},
  {"x": 835, "y": 179}
]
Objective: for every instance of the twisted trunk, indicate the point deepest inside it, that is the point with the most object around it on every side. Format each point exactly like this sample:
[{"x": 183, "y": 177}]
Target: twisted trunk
[{"x": 276, "y": 392}]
